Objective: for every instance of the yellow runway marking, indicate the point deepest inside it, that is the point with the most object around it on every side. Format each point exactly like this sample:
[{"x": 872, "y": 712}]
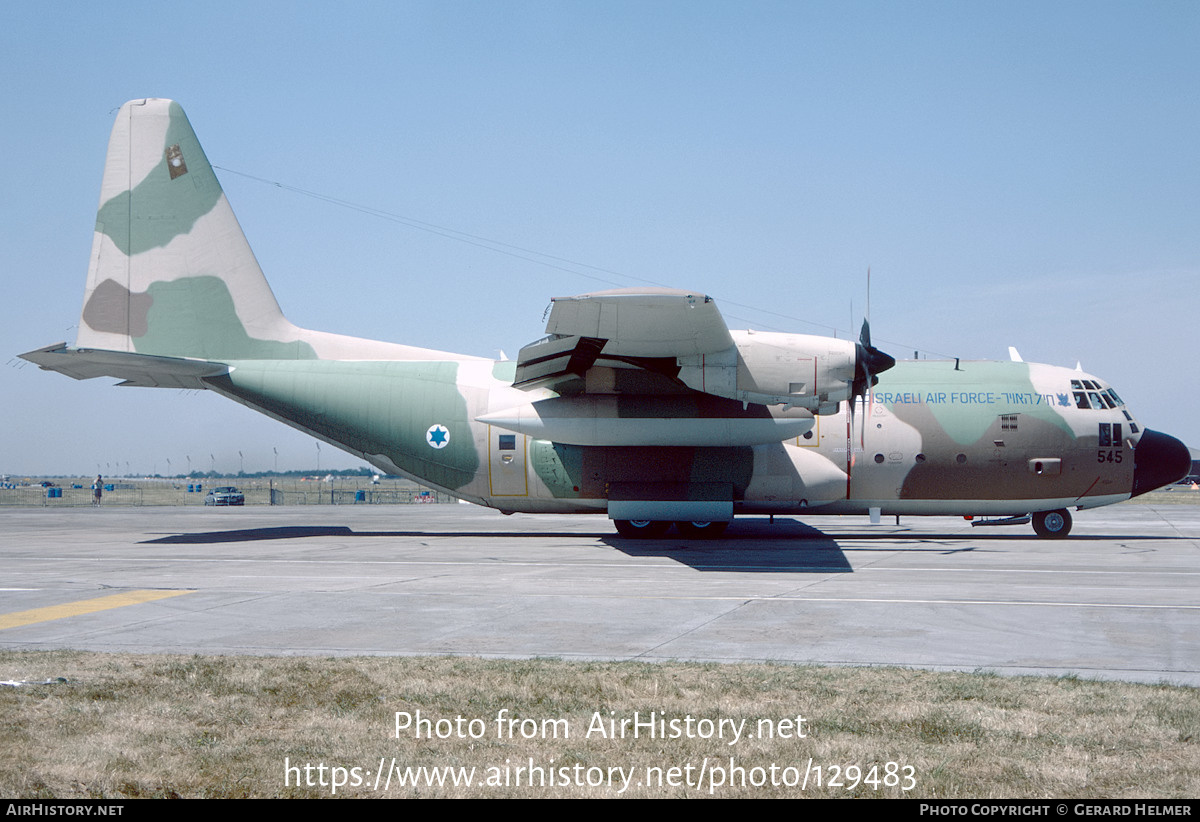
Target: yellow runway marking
[{"x": 85, "y": 606}]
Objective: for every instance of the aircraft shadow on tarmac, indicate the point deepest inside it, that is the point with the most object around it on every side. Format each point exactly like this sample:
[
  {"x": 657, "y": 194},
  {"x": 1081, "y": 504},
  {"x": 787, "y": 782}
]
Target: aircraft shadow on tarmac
[
  {"x": 312, "y": 531},
  {"x": 785, "y": 546},
  {"x": 253, "y": 535},
  {"x": 790, "y": 546},
  {"x": 759, "y": 545},
  {"x": 752, "y": 545}
]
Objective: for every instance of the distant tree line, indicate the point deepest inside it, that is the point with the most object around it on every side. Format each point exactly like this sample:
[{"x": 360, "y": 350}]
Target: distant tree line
[{"x": 311, "y": 472}]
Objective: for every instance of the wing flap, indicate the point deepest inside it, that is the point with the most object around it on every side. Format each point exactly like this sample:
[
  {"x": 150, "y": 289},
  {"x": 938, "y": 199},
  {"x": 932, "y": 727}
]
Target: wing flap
[{"x": 552, "y": 360}]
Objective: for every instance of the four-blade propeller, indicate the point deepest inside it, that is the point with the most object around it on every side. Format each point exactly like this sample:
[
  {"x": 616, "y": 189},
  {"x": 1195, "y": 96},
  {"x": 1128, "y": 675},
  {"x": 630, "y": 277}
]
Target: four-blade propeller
[{"x": 869, "y": 362}]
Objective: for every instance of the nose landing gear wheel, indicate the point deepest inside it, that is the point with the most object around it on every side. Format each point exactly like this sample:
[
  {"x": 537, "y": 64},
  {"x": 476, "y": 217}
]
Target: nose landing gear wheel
[{"x": 1052, "y": 524}]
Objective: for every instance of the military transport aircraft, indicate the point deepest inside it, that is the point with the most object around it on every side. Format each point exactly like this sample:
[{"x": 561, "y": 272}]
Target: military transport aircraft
[{"x": 640, "y": 403}]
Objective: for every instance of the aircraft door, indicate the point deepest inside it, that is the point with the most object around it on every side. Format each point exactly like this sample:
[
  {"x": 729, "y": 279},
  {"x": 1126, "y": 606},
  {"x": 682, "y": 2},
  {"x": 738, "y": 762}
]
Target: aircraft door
[{"x": 506, "y": 463}]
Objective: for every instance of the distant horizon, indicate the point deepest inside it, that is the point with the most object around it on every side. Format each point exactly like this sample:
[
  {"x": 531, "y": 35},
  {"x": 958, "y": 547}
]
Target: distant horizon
[{"x": 365, "y": 471}]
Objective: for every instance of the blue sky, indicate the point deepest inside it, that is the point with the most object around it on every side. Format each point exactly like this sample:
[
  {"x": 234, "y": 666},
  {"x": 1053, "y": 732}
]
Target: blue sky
[{"x": 1012, "y": 173}]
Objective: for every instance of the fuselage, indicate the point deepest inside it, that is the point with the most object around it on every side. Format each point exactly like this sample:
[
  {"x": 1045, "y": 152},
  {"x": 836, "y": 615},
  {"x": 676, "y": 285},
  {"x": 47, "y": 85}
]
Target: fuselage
[{"x": 933, "y": 437}]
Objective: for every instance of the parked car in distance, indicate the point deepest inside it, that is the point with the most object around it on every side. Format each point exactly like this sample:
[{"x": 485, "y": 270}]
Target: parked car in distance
[{"x": 225, "y": 495}]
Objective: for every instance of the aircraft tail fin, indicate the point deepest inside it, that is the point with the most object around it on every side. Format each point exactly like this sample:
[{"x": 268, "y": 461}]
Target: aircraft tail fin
[
  {"x": 171, "y": 273},
  {"x": 173, "y": 290}
]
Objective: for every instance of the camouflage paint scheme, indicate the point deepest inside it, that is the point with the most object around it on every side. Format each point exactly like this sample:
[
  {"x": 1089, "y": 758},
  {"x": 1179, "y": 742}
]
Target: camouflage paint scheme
[{"x": 175, "y": 298}]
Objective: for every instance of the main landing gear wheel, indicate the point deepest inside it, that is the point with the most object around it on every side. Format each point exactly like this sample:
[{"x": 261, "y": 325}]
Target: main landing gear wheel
[
  {"x": 701, "y": 530},
  {"x": 1052, "y": 524},
  {"x": 641, "y": 528}
]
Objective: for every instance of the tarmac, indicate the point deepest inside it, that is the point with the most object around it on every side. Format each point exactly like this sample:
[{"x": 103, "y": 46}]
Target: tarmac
[{"x": 1120, "y": 599}]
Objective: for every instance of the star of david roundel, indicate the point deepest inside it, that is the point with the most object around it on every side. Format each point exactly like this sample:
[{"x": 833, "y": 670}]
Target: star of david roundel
[{"x": 438, "y": 436}]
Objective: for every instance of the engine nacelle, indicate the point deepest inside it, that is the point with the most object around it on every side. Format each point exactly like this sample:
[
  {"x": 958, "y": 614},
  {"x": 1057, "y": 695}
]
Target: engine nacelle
[{"x": 772, "y": 368}]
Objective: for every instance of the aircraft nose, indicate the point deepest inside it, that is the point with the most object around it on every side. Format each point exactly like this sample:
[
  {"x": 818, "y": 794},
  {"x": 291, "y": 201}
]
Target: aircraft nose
[{"x": 1158, "y": 460}]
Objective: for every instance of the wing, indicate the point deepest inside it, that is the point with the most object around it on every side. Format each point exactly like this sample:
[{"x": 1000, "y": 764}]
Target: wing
[
  {"x": 647, "y": 367},
  {"x": 663, "y": 341},
  {"x": 628, "y": 330}
]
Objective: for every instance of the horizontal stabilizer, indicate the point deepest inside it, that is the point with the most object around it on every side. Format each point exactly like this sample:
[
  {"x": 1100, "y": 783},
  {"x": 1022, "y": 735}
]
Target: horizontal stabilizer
[{"x": 140, "y": 370}]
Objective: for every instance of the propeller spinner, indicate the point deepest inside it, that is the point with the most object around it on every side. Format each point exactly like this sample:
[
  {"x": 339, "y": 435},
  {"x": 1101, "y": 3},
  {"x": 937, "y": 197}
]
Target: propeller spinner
[{"x": 869, "y": 362}]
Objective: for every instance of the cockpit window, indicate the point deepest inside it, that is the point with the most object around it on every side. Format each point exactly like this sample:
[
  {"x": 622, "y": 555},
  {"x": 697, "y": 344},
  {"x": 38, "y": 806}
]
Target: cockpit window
[{"x": 1091, "y": 394}]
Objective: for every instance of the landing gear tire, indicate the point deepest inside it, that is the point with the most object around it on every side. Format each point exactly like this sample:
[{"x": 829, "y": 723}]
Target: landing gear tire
[
  {"x": 641, "y": 528},
  {"x": 701, "y": 530},
  {"x": 1052, "y": 524}
]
